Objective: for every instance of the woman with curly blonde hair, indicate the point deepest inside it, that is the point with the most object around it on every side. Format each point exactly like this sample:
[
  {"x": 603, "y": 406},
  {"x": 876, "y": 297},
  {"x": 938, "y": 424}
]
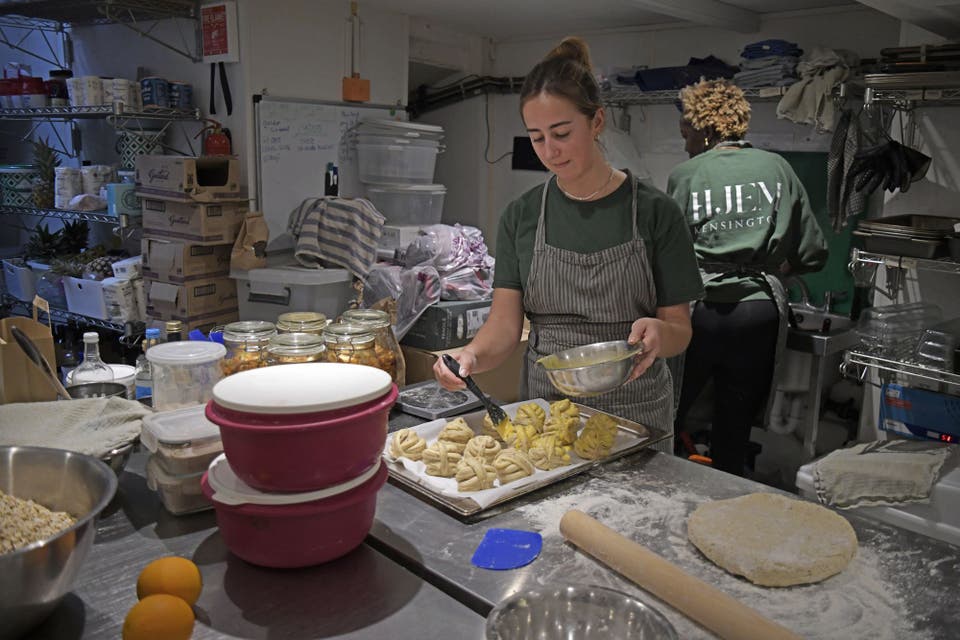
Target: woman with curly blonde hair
[{"x": 751, "y": 222}]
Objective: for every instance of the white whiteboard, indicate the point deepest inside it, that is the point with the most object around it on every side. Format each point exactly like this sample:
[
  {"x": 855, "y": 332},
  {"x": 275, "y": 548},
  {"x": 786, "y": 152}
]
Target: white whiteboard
[{"x": 295, "y": 141}]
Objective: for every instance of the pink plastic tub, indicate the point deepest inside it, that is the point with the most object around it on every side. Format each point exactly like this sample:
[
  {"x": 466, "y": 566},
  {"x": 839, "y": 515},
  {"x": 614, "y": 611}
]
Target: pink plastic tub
[
  {"x": 272, "y": 448},
  {"x": 298, "y": 535}
]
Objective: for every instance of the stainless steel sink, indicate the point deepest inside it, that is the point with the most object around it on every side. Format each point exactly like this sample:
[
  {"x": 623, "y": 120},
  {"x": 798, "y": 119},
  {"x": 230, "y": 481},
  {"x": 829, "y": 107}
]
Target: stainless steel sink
[{"x": 820, "y": 332}]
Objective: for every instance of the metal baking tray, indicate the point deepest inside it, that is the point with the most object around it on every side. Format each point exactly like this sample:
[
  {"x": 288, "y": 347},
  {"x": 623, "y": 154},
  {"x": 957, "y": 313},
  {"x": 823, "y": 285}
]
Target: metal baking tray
[
  {"x": 901, "y": 246},
  {"x": 410, "y": 481}
]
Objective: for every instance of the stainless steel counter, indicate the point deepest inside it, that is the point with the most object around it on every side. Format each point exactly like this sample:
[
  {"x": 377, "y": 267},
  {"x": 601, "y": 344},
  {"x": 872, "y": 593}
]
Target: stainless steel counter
[
  {"x": 362, "y": 595},
  {"x": 900, "y": 584}
]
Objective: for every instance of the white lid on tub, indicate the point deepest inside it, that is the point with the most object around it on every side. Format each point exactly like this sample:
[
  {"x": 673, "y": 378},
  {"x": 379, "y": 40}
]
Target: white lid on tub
[
  {"x": 301, "y": 388},
  {"x": 405, "y": 188},
  {"x": 229, "y": 489},
  {"x": 398, "y": 126},
  {"x": 186, "y": 352},
  {"x": 179, "y": 427}
]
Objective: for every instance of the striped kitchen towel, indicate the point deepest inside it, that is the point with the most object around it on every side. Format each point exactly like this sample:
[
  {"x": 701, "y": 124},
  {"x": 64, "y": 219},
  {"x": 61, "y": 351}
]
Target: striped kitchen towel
[{"x": 340, "y": 231}]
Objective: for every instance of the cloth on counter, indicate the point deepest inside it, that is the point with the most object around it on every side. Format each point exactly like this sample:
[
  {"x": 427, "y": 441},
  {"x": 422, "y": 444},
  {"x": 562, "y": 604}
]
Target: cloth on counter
[
  {"x": 810, "y": 101},
  {"x": 879, "y": 473},
  {"x": 94, "y": 426},
  {"x": 772, "y": 47},
  {"x": 340, "y": 231},
  {"x": 665, "y": 78}
]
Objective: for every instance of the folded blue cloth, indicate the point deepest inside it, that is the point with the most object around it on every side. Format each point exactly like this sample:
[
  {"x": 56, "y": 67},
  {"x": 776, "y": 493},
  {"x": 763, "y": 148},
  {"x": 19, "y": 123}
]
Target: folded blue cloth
[
  {"x": 665, "y": 78},
  {"x": 772, "y": 47},
  {"x": 769, "y": 61}
]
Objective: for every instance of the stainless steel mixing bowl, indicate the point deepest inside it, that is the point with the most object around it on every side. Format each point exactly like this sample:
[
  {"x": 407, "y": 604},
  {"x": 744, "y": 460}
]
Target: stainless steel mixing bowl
[
  {"x": 591, "y": 369},
  {"x": 576, "y": 613},
  {"x": 97, "y": 390},
  {"x": 34, "y": 578}
]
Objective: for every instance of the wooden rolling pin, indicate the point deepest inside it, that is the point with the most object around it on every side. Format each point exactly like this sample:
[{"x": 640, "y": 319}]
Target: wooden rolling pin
[{"x": 712, "y": 608}]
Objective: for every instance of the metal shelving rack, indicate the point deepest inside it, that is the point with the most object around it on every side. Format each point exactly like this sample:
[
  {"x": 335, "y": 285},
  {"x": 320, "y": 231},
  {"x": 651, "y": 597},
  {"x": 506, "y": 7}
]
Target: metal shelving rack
[
  {"x": 942, "y": 265},
  {"x": 624, "y": 96},
  {"x": 57, "y": 316},
  {"x": 100, "y": 217}
]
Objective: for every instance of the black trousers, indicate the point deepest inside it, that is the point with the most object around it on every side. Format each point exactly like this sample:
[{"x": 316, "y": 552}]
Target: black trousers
[{"x": 733, "y": 344}]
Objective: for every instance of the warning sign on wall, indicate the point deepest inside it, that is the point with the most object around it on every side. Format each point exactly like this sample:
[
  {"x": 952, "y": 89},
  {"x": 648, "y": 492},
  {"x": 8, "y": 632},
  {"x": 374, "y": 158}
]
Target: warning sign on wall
[{"x": 218, "y": 23}]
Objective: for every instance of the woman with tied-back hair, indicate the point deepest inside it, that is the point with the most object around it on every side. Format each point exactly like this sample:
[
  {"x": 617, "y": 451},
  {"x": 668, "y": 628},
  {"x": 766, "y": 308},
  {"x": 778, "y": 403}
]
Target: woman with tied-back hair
[
  {"x": 592, "y": 255},
  {"x": 751, "y": 222}
]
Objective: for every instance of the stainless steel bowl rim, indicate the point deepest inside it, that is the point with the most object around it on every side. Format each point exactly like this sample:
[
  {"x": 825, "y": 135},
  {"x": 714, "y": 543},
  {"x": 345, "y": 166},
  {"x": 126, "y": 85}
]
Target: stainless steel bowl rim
[
  {"x": 93, "y": 513},
  {"x": 636, "y": 349}
]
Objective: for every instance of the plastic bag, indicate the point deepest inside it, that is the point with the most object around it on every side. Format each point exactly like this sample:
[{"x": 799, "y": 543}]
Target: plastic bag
[
  {"x": 449, "y": 248},
  {"x": 467, "y": 284},
  {"x": 414, "y": 289}
]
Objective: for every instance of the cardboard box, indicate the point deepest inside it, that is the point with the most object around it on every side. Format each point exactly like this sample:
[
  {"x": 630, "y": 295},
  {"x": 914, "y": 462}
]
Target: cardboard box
[
  {"x": 175, "y": 261},
  {"x": 195, "y": 222},
  {"x": 205, "y": 178},
  {"x": 195, "y": 299},
  {"x": 919, "y": 413},
  {"x": 447, "y": 324},
  {"x": 128, "y": 268},
  {"x": 20, "y": 379},
  {"x": 204, "y": 324},
  {"x": 502, "y": 383}
]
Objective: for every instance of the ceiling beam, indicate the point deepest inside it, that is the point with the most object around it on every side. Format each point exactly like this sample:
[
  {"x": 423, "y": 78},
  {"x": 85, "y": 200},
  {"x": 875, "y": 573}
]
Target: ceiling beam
[
  {"x": 941, "y": 17},
  {"x": 708, "y": 13}
]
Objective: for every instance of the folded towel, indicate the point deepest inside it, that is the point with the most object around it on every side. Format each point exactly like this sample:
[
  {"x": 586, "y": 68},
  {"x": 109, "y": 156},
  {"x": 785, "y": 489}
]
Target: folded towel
[
  {"x": 94, "y": 426},
  {"x": 879, "y": 473},
  {"x": 340, "y": 231},
  {"x": 772, "y": 47}
]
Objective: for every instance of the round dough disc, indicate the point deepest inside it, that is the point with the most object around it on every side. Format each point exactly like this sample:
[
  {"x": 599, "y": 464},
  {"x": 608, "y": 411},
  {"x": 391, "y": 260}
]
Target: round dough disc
[{"x": 772, "y": 540}]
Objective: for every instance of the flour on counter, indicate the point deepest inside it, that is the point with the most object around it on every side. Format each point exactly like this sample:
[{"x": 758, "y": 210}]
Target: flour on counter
[{"x": 864, "y": 601}]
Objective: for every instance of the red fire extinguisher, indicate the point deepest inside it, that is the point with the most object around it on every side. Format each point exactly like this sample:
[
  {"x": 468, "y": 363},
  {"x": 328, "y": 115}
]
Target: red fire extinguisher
[{"x": 216, "y": 142}]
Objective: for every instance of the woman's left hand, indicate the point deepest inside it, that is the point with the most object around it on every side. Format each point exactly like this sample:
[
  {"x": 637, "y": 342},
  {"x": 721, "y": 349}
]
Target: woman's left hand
[{"x": 645, "y": 331}]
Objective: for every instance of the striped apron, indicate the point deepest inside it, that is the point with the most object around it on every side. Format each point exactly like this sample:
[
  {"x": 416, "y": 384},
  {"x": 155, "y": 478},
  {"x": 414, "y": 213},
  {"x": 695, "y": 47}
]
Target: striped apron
[{"x": 574, "y": 299}]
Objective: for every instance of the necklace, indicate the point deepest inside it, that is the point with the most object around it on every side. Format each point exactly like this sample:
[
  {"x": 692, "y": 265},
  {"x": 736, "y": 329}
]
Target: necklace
[{"x": 586, "y": 197}]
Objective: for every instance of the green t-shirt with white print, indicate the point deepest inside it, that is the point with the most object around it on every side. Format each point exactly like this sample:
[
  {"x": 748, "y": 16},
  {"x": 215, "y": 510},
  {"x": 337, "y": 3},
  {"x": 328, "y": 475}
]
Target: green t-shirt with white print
[{"x": 746, "y": 206}]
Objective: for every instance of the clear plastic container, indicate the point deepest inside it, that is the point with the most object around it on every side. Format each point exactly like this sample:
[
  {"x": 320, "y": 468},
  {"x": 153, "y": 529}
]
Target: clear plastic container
[
  {"x": 184, "y": 372},
  {"x": 179, "y": 494},
  {"x": 408, "y": 204},
  {"x": 246, "y": 344},
  {"x": 386, "y": 346},
  {"x": 294, "y": 348},
  {"x": 393, "y": 163},
  {"x": 894, "y": 330},
  {"x": 302, "y": 322},
  {"x": 183, "y": 441}
]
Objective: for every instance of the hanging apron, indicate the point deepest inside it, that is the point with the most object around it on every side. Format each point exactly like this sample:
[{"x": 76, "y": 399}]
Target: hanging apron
[
  {"x": 574, "y": 299},
  {"x": 778, "y": 293}
]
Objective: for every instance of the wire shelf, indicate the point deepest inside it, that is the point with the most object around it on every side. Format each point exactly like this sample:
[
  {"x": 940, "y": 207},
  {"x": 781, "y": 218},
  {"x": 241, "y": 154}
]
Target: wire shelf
[
  {"x": 116, "y": 111},
  {"x": 903, "y": 367},
  {"x": 90, "y": 216},
  {"x": 57, "y": 316},
  {"x": 623, "y": 95}
]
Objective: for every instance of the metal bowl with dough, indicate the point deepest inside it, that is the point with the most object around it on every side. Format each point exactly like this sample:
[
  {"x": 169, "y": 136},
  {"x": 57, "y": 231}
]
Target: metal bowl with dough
[
  {"x": 591, "y": 369},
  {"x": 579, "y": 612}
]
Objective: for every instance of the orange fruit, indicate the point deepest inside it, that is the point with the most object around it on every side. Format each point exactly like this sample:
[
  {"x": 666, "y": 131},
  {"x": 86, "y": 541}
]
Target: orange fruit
[
  {"x": 174, "y": 576},
  {"x": 159, "y": 617}
]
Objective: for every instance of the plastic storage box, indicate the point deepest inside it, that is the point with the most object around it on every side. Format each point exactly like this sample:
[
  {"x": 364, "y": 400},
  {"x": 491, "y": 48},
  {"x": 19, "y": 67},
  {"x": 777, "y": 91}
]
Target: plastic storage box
[
  {"x": 266, "y": 293},
  {"x": 408, "y": 204},
  {"x": 385, "y": 162},
  {"x": 184, "y": 372},
  {"x": 20, "y": 280}
]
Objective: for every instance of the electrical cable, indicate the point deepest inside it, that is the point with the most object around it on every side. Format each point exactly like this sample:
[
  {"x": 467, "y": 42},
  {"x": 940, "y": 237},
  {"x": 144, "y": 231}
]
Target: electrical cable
[{"x": 486, "y": 120}]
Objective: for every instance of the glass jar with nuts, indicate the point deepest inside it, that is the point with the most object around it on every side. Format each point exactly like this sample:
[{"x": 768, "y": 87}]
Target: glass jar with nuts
[
  {"x": 293, "y": 348},
  {"x": 385, "y": 341},
  {"x": 246, "y": 344},
  {"x": 301, "y": 322}
]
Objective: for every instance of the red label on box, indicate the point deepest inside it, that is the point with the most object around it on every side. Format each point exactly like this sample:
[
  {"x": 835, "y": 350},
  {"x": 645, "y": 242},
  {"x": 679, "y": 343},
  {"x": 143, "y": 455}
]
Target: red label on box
[{"x": 214, "y": 21}]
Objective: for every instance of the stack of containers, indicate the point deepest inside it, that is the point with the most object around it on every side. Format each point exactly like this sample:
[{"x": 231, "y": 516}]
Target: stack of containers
[
  {"x": 298, "y": 481},
  {"x": 397, "y": 161}
]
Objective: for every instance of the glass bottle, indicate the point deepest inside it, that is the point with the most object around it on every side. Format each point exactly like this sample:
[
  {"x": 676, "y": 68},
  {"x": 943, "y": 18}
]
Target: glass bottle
[
  {"x": 92, "y": 369},
  {"x": 144, "y": 374},
  {"x": 174, "y": 330},
  {"x": 351, "y": 344},
  {"x": 301, "y": 322},
  {"x": 386, "y": 345},
  {"x": 246, "y": 344},
  {"x": 293, "y": 348}
]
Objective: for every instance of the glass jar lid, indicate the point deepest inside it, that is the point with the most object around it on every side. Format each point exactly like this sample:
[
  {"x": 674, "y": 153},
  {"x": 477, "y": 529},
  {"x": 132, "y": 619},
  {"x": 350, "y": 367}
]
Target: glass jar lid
[
  {"x": 298, "y": 321},
  {"x": 249, "y": 330},
  {"x": 295, "y": 344},
  {"x": 370, "y": 317},
  {"x": 344, "y": 333}
]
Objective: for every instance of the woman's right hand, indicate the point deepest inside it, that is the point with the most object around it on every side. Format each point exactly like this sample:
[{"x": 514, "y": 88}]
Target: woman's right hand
[{"x": 446, "y": 378}]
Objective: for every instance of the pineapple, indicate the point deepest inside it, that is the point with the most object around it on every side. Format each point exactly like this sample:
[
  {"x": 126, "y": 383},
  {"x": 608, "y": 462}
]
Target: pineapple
[
  {"x": 74, "y": 238},
  {"x": 46, "y": 160},
  {"x": 44, "y": 245}
]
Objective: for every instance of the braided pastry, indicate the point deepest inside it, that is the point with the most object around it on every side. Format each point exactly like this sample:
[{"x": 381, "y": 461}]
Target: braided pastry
[
  {"x": 483, "y": 447},
  {"x": 497, "y": 432},
  {"x": 407, "y": 444},
  {"x": 522, "y": 437},
  {"x": 474, "y": 474},
  {"x": 547, "y": 453},
  {"x": 564, "y": 407},
  {"x": 532, "y": 414},
  {"x": 456, "y": 432},
  {"x": 603, "y": 424},
  {"x": 441, "y": 459},
  {"x": 564, "y": 426},
  {"x": 593, "y": 444},
  {"x": 512, "y": 464}
]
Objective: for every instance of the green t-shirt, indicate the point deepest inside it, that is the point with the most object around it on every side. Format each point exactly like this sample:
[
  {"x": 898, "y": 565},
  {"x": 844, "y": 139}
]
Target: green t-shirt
[
  {"x": 747, "y": 207},
  {"x": 587, "y": 227}
]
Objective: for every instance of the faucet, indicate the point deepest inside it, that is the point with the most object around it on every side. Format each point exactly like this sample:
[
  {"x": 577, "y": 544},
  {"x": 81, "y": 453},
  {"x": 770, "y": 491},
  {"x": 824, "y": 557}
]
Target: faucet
[{"x": 829, "y": 297}]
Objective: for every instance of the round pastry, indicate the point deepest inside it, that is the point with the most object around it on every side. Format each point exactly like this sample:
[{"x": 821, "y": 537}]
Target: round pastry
[
  {"x": 547, "y": 453},
  {"x": 592, "y": 444},
  {"x": 564, "y": 407},
  {"x": 564, "y": 426},
  {"x": 497, "y": 432},
  {"x": 512, "y": 464},
  {"x": 407, "y": 444},
  {"x": 474, "y": 474},
  {"x": 522, "y": 436},
  {"x": 532, "y": 414},
  {"x": 456, "y": 431},
  {"x": 441, "y": 459},
  {"x": 603, "y": 423},
  {"x": 483, "y": 447}
]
